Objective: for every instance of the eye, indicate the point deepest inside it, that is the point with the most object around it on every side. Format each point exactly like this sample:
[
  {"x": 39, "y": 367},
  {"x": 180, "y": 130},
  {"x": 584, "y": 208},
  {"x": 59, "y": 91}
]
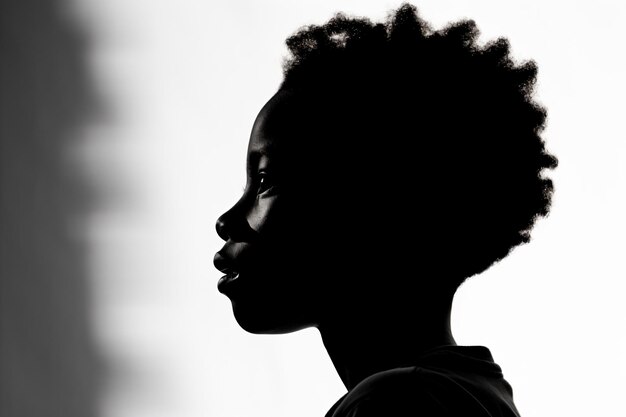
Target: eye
[{"x": 265, "y": 182}]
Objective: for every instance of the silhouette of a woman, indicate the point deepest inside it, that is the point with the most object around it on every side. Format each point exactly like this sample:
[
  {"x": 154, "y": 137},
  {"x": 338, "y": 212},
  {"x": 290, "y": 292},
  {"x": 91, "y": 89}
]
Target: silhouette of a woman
[{"x": 394, "y": 162}]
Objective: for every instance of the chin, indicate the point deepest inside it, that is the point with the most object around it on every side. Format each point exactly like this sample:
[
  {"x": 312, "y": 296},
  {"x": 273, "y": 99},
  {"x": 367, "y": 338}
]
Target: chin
[{"x": 269, "y": 321}]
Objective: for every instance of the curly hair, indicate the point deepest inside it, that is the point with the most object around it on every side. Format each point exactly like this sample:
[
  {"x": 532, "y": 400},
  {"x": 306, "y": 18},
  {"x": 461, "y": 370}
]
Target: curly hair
[{"x": 434, "y": 133}]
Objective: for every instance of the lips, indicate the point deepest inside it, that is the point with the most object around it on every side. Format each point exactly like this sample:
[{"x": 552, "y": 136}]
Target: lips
[
  {"x": 227, "y": 279},
  {"x": 231, "y": 272}
]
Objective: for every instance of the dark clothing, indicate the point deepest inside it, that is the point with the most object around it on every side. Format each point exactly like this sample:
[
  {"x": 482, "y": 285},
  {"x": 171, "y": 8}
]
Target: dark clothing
[{"x": 450, "y": 381}]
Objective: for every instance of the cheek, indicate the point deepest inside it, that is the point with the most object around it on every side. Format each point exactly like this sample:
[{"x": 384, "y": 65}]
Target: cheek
[
  {"x": 264, "y": 214},
  {"x": 288, "y": 241}
]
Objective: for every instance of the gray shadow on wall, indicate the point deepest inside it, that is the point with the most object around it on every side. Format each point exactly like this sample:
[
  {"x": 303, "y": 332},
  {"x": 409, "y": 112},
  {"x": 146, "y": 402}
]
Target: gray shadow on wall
[{"x": 47, "y": 362}]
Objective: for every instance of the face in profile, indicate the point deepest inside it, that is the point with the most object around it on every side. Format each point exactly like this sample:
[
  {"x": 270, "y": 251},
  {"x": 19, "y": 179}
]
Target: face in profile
[
  {"x": 274, "y": 263},
  {"x": 390, "y": 166},
  {"x": 320, "y": 230}
]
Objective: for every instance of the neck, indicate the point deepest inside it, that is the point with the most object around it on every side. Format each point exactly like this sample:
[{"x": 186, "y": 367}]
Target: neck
[{"x": 388, "y": 341}]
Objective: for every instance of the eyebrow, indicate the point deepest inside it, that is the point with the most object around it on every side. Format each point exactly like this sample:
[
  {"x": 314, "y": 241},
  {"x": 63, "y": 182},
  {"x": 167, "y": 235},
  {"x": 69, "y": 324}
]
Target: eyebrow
[{"x": 256, "y": 154}]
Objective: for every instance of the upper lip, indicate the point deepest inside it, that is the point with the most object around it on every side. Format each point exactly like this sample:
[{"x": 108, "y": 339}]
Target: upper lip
[{"x": 224, "y": 264}]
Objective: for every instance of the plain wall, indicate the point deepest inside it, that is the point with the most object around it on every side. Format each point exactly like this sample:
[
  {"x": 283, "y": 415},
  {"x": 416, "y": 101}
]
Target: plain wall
[{"x": 48, "y": 360}]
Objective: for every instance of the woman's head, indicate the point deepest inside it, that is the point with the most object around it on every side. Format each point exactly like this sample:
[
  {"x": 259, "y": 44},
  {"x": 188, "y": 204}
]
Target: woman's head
[{"x": 394, "y": 161}]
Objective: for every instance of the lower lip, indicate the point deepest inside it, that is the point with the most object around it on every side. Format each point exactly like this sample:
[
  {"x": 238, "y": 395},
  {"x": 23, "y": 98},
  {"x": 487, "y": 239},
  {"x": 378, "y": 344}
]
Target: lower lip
[{"x": 227, "y": 282}]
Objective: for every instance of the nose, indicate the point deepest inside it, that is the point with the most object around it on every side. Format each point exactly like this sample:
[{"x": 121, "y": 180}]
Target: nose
[
  {"x": 221, "y": 227},
  {"x": 233, "y": 225}
]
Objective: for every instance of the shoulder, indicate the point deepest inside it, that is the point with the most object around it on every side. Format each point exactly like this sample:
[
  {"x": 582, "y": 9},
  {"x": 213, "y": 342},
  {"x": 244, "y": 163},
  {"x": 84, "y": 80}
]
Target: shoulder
[
  {"x": 394, "y": 393},
  {"x": 410, "y": 392}
]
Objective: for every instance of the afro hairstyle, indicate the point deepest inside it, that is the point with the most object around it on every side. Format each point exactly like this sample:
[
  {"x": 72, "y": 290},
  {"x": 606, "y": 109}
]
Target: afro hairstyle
[{"x": 437, "y": 136}]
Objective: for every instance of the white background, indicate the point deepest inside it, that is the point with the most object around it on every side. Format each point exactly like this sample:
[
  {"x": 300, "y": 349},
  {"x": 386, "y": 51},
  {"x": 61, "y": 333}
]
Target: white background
[{"x": 182, "y": 82}]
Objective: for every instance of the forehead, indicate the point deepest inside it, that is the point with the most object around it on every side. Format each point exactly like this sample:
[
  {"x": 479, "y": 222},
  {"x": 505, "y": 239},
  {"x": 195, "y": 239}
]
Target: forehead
[{"x": 275, "y": 123}]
